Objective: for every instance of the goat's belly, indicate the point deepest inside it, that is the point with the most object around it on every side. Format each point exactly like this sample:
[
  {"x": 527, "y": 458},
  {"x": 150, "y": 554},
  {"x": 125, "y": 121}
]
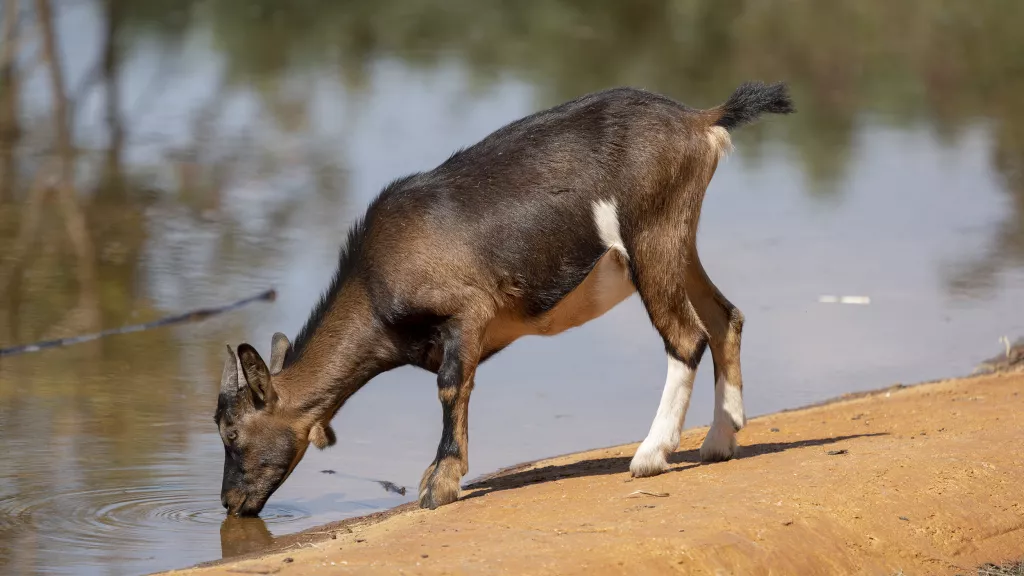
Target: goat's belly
[{"x": 605, "y": 287}]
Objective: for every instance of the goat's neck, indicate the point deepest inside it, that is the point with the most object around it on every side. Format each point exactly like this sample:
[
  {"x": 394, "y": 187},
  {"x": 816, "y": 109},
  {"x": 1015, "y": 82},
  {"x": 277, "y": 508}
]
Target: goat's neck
[{"x": 344, "y": 353}]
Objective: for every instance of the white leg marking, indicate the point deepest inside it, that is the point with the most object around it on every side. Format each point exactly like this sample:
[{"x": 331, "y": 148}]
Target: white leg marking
[
  {"x": 732, "y": 406},
  {"x": 720, "y": 443},
  {"x": 663, "y": 438},
  {"x": 720, "y": 141},
  {"x": 606, "y": 218}
]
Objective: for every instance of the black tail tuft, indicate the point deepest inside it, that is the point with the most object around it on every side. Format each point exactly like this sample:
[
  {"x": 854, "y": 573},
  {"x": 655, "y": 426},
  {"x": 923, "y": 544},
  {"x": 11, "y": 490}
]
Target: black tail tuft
[{"x": 751, "y": 100}]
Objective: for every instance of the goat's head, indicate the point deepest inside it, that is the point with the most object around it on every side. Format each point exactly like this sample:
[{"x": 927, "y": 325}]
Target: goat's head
[{"x": 264, "y": 437}]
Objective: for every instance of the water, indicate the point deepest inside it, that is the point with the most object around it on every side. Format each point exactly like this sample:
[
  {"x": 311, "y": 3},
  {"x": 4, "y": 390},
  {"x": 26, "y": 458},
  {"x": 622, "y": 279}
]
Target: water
[{"x": 249, "y": 134}]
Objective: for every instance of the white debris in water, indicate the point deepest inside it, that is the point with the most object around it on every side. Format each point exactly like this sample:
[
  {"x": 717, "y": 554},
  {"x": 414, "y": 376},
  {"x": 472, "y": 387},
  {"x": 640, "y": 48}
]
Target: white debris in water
[{"x": 829, "y": 299}]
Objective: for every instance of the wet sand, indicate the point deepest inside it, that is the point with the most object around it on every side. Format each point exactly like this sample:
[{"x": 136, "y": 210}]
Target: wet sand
[{"x": 923, "y": 479}]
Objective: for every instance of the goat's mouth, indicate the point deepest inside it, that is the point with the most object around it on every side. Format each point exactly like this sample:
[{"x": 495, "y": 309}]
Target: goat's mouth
[
  {"x": 250, "y": 505},
  {"x": 247, "y": 513},
  {"x": 252, "y": 512},
  {"x": 246, "y": 507}
]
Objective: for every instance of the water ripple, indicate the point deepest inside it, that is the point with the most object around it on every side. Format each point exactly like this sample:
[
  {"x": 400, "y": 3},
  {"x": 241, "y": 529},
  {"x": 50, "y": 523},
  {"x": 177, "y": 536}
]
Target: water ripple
[{"x": 89, "y": 519}]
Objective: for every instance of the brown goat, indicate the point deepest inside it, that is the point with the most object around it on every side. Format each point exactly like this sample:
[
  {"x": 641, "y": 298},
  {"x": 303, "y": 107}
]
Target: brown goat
[{"x": 543, "y": 225}]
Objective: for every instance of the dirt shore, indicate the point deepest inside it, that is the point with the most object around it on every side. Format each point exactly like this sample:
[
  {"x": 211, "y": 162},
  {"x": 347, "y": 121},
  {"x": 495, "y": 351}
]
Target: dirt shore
[{"x": 926, "y": 479}]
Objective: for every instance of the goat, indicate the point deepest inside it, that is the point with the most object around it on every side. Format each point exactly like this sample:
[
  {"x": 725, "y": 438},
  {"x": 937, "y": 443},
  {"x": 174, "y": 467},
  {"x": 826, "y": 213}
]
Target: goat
[{"x": 542, "y": 226}]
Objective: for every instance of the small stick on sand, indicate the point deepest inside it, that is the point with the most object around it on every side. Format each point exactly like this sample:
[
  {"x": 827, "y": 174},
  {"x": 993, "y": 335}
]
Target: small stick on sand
[
  {"x": 636, "y": 493},
  {"x": 192, "y": 316}
]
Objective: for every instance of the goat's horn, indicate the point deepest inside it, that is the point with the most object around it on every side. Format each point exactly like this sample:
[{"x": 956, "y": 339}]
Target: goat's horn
[{"x": 229, "y": 378}]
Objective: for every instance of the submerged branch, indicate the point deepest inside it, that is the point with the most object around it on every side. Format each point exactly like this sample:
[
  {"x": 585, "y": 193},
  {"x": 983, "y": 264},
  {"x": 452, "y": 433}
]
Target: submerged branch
[{"x": 191, "y": 316}]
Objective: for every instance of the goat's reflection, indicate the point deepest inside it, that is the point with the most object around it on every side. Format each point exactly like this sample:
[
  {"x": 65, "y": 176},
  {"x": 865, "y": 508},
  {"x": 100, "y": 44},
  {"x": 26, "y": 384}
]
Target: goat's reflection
[{"x": 243, "y": 535}]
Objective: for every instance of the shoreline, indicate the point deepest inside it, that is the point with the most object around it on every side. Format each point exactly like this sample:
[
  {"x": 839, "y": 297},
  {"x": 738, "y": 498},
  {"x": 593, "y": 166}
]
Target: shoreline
[{"x": 522, "y": 487}]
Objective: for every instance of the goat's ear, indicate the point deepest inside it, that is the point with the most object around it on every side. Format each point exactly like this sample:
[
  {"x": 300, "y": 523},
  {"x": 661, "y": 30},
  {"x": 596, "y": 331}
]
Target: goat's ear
[
  {"x": 279, "y": 346},
  {"x": 322, "y": 436},
  {"x": 257, "y": 376}
]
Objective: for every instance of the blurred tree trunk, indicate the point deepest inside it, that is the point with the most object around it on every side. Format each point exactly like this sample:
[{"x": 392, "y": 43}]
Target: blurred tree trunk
[
  {"x": 113, "y": 185},
  {"x": 51, "y": 56},
  {"x": 9, "y": 128},
  {"x": 86, "y": 315}
]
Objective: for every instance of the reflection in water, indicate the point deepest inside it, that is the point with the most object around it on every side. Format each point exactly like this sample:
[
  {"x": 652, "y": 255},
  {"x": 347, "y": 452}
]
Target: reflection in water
[
  {"x": 1005, "y": 249},
  {"x": 243, "y": 535},
  {"x": 159, "y": 156}
]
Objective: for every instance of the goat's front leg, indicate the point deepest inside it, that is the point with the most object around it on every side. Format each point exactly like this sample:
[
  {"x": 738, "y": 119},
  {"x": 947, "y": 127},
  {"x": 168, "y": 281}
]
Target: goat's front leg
[{"x": 440, "y": 483}]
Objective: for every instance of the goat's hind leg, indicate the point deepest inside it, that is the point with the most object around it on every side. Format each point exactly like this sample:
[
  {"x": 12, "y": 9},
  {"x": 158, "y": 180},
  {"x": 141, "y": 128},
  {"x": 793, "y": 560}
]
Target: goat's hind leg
[
  {"x": 724, "y": 323},
  {"x": 660, "y": 283}
]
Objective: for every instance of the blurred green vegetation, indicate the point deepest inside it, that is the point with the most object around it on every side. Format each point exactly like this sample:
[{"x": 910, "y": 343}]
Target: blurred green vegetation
[{"x": 940, "y": 62}]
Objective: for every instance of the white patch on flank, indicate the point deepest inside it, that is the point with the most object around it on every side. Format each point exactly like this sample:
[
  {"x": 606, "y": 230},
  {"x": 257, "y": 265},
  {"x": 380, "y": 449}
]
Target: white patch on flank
[
  {"x": 720, "y": 443},
  {"x": 663, "y": 438},
  {"x": 606, "y": 286},
  {"x": 607, "y": 219},
  {"x": 720, "y": 141}
]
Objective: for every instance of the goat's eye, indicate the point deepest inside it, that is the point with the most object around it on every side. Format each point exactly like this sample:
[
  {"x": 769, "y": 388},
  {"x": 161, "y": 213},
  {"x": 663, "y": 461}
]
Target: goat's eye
[{"x": 232, "y": 435}]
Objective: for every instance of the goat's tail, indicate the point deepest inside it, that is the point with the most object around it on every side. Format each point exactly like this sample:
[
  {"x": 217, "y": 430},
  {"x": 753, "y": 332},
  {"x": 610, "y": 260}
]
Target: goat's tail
[{"x": 751, "y": 100}]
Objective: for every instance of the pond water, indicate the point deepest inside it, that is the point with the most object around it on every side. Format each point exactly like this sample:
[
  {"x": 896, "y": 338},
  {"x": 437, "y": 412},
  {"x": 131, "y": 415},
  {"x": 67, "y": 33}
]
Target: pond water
[{"x": 210, "y": 150}]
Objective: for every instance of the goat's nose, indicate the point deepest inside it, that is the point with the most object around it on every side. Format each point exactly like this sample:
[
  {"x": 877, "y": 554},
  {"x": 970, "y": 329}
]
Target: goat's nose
[{"x": 224, "y": 501}]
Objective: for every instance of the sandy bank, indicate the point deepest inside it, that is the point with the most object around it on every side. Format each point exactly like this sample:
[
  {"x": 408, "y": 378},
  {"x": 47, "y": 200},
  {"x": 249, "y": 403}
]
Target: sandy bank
[{"x": 927, "y": 479}]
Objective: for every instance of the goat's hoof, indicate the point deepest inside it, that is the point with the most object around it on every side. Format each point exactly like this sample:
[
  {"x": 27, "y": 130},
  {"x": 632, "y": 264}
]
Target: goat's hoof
[
  {"x": 438, "y": 488},
  {"x": 647, "y": 462},
  {"x": 437, "y": 494},
  {"x": 719, "y": 445}
]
